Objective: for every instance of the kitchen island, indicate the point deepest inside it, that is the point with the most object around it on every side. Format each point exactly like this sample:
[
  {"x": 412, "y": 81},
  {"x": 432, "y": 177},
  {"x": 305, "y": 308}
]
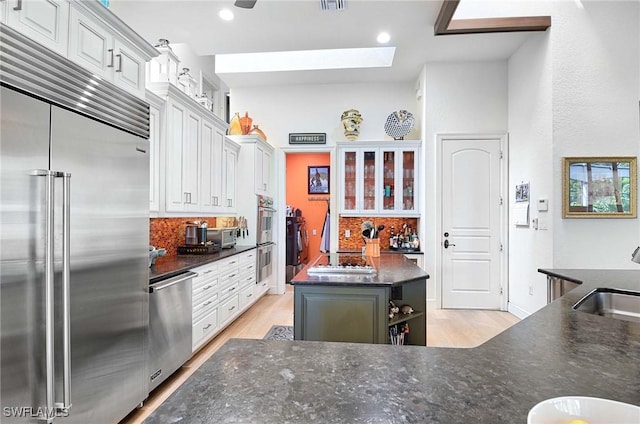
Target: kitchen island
[
  {"x": 554, "y": 352},
  {"x": 345, "y": 297}
]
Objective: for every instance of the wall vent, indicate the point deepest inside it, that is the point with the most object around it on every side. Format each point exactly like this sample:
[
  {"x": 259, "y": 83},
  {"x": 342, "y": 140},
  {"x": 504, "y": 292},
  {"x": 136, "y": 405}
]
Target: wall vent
[{"x": 333, "y": 4}]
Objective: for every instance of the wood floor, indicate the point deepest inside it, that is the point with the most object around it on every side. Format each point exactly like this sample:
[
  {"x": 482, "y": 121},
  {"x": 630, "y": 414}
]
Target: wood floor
[{"x": 445, "y": 328}]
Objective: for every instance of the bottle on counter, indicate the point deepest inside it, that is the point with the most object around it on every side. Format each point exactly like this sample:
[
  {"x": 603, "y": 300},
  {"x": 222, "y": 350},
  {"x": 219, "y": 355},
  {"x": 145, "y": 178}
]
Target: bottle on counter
[{"x": 393, "y": 239}]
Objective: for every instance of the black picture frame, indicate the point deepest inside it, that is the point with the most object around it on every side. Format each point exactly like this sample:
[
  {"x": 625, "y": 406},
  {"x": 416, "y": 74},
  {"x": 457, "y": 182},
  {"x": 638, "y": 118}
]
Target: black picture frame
[{"x": 318, "y": 179}]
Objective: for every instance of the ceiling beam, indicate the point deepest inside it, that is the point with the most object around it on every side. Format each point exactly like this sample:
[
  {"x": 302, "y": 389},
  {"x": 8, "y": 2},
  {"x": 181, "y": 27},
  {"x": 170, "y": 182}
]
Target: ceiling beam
[
  {"x": 445, "y": 16},
  {"x": 445, "y": 24}
]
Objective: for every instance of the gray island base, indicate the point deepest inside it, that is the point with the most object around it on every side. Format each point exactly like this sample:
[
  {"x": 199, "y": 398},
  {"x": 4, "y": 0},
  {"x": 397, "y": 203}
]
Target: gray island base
[
  {"x": 554, "y": 352},
  {"x": 345, "y": 307}
]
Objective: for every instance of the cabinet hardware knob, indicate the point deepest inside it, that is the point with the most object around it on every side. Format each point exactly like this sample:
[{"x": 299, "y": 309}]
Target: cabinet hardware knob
[
  {"x": 206, "y": 327},
  {"x": 18, "y": 6},
  {"x": 110, "y": 65}
]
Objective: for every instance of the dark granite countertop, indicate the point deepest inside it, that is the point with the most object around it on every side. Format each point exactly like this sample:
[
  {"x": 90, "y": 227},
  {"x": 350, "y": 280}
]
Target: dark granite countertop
[
  {"x": 392, "y": 270},
  {"x": 167, "y": 267},
  {"x": 554, "y": 352}
]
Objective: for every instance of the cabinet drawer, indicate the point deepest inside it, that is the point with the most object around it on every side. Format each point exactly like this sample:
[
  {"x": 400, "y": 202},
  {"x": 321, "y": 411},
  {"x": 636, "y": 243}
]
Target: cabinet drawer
[
  {"x": 247, "y": 280},
  {"x": 203, "y": 329},
  {"x": 204, "y": 306},
  {"x": 229, "y": 290},
  {"x": 262, "y": 287},
  {"x": 205, "y": 290},
  {"x": 228, "y": 263},
  {"x": 247, "y": 295},
  {"x": 248, "y": 269},
  {"x": 229, "y": 308},
  {"x": 229, "y": 279},
  {"x": 205, "y": 274}
]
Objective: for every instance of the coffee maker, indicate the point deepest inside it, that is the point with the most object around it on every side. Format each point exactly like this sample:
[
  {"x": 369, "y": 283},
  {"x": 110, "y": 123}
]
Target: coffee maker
[
  {"x": 196, "y": 233},
  {"x": 191, "y": 234}
]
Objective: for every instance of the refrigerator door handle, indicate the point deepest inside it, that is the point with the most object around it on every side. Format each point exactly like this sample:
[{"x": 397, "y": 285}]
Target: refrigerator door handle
[
  {"x": 49, "y": 287},
  {"x": 51, "y": 405},
  {"x": 66, "y": 293}
]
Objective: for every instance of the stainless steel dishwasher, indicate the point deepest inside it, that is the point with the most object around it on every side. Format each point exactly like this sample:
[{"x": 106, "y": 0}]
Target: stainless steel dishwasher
[{"x": 169, "y": 326}]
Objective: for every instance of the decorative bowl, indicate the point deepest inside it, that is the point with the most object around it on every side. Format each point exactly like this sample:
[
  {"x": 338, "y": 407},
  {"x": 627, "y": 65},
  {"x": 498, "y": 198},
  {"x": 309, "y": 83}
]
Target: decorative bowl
[
  {"x": 583, "y": 410},
  {"x": 398, "y": 124}
]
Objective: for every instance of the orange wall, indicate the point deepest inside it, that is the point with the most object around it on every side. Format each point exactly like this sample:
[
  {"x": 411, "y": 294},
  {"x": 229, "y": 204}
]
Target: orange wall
[{"x": 298, "y": 197}]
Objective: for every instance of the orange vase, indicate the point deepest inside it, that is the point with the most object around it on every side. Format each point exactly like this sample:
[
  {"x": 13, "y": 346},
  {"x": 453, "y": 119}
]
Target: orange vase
[
  {"x": 234, "y": 126},
  {"x": 245, "y": 123},
  {"x": 257, "y": 131}
]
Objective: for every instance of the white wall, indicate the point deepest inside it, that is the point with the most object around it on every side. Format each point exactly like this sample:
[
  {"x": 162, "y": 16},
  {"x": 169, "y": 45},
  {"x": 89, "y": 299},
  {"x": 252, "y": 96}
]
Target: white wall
[
  {"x": 596, "y": 78},
  {"x": 530, "y": 160},
  {"x": 465, "y": 97},
  {"x": 280, "y": 110}
]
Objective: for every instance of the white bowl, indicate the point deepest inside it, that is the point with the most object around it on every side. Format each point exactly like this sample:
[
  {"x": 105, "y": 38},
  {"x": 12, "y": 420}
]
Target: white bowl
[{"x": 591, "y": 410}]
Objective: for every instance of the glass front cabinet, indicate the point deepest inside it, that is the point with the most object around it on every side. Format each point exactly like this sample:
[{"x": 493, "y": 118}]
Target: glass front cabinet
[{"x": 379, "y": 180}]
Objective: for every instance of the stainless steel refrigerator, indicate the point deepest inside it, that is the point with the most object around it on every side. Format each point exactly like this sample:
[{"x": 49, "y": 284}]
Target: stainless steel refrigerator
[{"x": 74, "y": 236}]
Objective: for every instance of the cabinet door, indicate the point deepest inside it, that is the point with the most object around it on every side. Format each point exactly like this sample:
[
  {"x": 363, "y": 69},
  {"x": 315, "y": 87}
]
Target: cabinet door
[
  {"x": 389, "y": 185},
  {"x": 191, "y": 162},
  {"x": 407, "y": 180},
  {"x": 370, "y": 181},
  {"x": 44, "y": 21},
  {"x": 154, "y": 158},
  {"x": 206, "y": 165},
  {"x": 129, "y": 69},
  {"x": 231, "y": 160},
  {"x": 266, "y": 171},
  {"x": 90, "y": 44},
  {"x": 176, "y": 118},
  {"x": 260, "y": 186},
  {"x": 218, "y": 161},
  {"x": 348, "y": 172}
]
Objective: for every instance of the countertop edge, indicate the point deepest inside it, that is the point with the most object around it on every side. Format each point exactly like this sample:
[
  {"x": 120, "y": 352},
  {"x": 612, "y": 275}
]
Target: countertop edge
[{"x": 186, "y": 262}]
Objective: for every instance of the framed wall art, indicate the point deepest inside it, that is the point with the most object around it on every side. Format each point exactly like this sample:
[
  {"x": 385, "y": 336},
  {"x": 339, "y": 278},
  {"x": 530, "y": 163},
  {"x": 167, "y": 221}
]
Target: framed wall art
[
  {"x": 318, "y": 179},
  {"x": 599, "y": 187}
]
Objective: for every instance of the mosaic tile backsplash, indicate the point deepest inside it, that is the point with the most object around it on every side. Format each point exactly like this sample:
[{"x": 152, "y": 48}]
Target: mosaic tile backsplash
[
  {"x": 169, "y": 233},
  {"x": 355, "y": 242}
]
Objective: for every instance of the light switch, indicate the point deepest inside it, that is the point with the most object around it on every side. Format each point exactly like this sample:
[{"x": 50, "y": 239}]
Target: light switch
[
  {"x": 314, "y": 232},
  {"x": 347, "y": 233}
]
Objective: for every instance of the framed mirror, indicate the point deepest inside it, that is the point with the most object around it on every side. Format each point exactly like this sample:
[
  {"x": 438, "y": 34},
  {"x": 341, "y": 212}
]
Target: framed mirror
[{"x": 599, "y": 187}]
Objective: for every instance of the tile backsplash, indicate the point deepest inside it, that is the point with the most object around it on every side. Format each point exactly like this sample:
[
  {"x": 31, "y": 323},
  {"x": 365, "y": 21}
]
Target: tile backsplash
[
  {"x": 169, "y": 233},
  {"x": 352, "y": 224}
]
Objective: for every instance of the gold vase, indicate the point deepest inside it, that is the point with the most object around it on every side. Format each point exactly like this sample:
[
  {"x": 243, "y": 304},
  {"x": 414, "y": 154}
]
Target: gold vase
[
  {"x": 234, "y": 126},
  {"x": 245, "y": 123},
  {"x": 257, "y": 131}
]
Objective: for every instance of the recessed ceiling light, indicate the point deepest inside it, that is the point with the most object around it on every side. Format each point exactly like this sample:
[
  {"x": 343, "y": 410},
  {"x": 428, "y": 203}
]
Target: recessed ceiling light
[
  {"x": 226, "y": 15},
  {"x": 383, "y": 37}
]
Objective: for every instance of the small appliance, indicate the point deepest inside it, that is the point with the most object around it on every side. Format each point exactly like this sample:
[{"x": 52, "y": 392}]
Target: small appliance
[
  {"x": 191, "y": 234},
  {"x": 223, "y": 237}
]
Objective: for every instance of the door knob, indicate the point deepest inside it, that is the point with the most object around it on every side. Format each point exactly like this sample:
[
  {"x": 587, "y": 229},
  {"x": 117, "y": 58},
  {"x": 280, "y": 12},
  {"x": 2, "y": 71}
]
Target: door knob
[{"x": 447, "y": 244}]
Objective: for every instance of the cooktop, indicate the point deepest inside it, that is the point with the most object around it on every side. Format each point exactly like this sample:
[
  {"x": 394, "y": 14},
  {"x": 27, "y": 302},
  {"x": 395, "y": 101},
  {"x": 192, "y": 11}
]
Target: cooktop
[{"x": 341, "y": 263}]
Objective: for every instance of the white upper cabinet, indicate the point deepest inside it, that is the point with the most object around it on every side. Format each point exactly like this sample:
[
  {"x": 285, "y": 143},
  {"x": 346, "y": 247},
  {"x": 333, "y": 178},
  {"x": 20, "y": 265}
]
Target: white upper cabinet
[
  {"x": 88, "y": 34},
  {"x": 231, "y": 151},
  {"x": 44, "y": 21},
  {"x": 379, "y": 179},
  {"x": 156, "y": 120},
  {"x": 95, "y": 46},
  {"x": 256, "y": 162},
  {"x": 199, "y": 172}
]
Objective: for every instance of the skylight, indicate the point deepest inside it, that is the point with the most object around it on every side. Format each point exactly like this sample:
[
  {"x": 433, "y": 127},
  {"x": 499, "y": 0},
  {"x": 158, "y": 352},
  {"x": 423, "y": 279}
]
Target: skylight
[{"x": 305, "y": 60}]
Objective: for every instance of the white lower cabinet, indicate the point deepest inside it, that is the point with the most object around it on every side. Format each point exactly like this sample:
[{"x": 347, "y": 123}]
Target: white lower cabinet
[
  {"x": 204, "y": 329},
  {"x": 221, "y": 292}
]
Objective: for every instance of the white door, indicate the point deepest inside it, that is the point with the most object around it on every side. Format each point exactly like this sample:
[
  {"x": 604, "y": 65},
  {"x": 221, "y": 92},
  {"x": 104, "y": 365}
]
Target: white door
[{"x": 471, "y": 236}]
